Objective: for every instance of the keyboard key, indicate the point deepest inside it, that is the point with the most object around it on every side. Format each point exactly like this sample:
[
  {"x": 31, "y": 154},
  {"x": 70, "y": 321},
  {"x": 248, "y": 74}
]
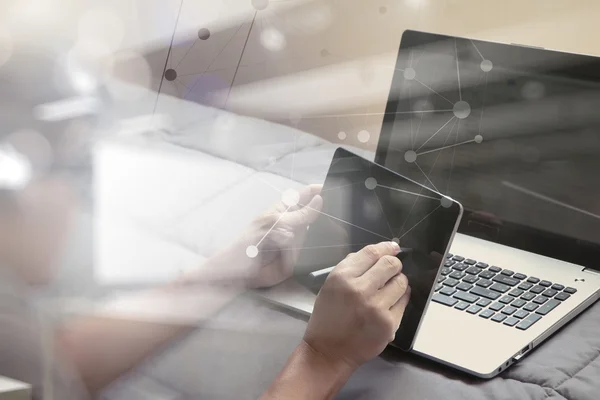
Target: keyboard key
[
  {"x": 473, "y": 309},
  {"x": 570, "y": 290},
  {"x": 450, "y": 282},
  {"x": 464, "y": 286},
  {"x": 473, "y": 270},
  {"x": 464, "y": 296},
  {"x": 449, "y": 263},
  {"x": 486, "y": 313},
  {"x": 509, "y": 310},
  {"x": 460, "y": 266},
  {"x": 457, "y": 275},
  {"x": 530, "y": 307},
  {"x": 516, "y": 292},
  {"x": 562, "y": 296},
  {"x": 525, "y": 286},
  {"x": 521, "y": 314},
  {"x": 545, "y": 283},
  {"x": 496, "y": 306},
  {"x": 449, "y": 255},
  {"x": 528, "y": 296},
  {"x": 488, "y": 294},
  {"x": 495, "y": 269},
  {"x": 518, "y": 303},
  {"x": 540, "y": 300},
  {"x": 438, "y": 286},
  {"x": 527, "y": 322},
  {"x": 549, "y": 306},
  {"x": 506, "y": 280},
  {"x": 506, "y": 299},
  {"x": 499, "y": 287},
  {"x": 537, "y": 289},
  {"x": 557, "y": 286},
  {"x": 481, "y": 265},
  {"x": 533, "y": 279},
  {"x": 446, "y": 271},
  {"x": 519, "y": 276},
  {"x": 462, "y": 305},
  {"x": 507, "y": 272},
  {"x": 440, "y": 298},
  {"x": 487, "y": 274},
  {"x": 512, "y": 321},
  {"x": 470, "y": 261},
  {"x": 550, "y": 293},
  {"x": 484, "y": 283},
  {"x": 499, "y": 317},
  {"x": 447, "y": 291},
  {"x": 484, "y": 302},
  {"x": 470, "y": 279},
  {"x": 441, "y": 279},
  {"x": 458, "y": 258}
]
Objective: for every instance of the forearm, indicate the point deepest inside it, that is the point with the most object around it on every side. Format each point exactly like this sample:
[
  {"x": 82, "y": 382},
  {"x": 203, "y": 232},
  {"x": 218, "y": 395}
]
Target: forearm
[
  {"x": 111, "y": 342},
  {"x": 308, "y": 375}
]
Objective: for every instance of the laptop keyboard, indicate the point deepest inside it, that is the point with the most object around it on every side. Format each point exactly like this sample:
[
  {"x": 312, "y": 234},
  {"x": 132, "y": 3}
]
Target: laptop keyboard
[{"x": 500, "y": 295}]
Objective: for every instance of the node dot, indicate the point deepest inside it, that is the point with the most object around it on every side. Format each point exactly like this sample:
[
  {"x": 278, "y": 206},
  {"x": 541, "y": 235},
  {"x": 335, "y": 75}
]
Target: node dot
[
  {"x": 252, "y": 251},
  {"x": 410, "y": 156},
  {"x": 382, "y": 10},
  {"x": 410, "y": 73},
  {"x": 290, "y": 197},
  {"x": 342, "y": 135},
  {"x": 461, "y": 109},
  {"x": 396, "y": 240},
  {"x": 486, "y": 65},
  {"x": 364, "y": 136},
  {"x": 170, "y": 74},
  {"x": 445, "y": 202},
  {"x": 260, "y": 5},
  {"x": 371, "y": 183},
  {"x": 478, "y": 139},
  {"x": 203, "y": 34}
]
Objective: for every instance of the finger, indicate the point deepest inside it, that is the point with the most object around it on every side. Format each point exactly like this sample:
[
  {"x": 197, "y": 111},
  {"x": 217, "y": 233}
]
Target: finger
[
  {"x": 398, "y": 309},
  {"x": 392, "y": 291},
  {"x": 359, "y": 263},
  {"x": 304, "y": 215},
  {"x": 385, "y": 269},
  {"x": 279, "y": 239},
  {"x": 305, "y": 195}
]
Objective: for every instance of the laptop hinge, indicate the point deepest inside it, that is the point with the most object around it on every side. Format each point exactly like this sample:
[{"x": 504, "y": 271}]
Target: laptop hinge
[{"x": 591, "y": 271}]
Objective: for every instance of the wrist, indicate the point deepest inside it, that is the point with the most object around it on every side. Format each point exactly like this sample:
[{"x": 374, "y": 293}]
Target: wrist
[{"x": 337, "y": 367}]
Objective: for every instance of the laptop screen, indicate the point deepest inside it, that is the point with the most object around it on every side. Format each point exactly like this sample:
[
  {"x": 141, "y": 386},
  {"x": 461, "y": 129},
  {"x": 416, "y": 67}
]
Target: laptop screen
[{"x": 511, "y": 132}]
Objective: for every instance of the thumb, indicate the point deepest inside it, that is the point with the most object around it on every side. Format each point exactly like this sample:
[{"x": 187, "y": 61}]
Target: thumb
[{"x": 305, "y": 215}]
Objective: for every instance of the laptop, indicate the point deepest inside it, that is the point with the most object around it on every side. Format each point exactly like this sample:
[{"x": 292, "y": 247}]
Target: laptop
[{"x": 513, "y": 134}]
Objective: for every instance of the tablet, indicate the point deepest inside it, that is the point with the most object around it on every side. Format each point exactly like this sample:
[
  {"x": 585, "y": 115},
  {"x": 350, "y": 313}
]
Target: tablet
[{"x": 365, "y": 203}]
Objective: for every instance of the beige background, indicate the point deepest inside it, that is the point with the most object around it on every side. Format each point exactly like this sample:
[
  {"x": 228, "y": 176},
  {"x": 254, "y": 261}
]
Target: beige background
[{"x": 360, "y": 39}]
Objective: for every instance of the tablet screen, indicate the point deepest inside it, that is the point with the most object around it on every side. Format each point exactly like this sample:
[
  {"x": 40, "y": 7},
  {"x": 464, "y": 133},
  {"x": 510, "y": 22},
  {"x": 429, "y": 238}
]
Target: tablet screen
[{"x": 364, "y": 203}]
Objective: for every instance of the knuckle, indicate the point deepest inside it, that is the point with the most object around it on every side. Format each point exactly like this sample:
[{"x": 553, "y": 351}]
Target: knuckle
[
  {"x": 402, "y": 282},
  {"x": 391, "y": 262},
  {"x": 372, "y": 252}
]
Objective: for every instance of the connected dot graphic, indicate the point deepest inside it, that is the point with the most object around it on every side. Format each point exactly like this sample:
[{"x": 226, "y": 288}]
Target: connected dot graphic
[
  {"x": 410, "y": 156},
  {"x": 170, "y": 74},
  {"x": 371, "y": 183},
  {"x": 364, "y": 136},
  {"x": 478, "y": 139},
  {"x": 260, "y": 5},
  {"x": 461, "y": 109},
  {"x": 445, "y": 202},
  {"x": 486, "y": 65},
  {"x": 341, "y": 135},
  {"x": 203, "y": 34},
  {"x": 396, "y": 240},
  {"x": 252, "y": 251},
  {"x": 410, "y": 73}
]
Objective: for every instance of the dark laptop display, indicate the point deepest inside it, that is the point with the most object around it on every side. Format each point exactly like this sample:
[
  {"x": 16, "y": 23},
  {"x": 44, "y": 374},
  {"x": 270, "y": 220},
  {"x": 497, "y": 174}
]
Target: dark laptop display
[{"x": 511, "y": 132}]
